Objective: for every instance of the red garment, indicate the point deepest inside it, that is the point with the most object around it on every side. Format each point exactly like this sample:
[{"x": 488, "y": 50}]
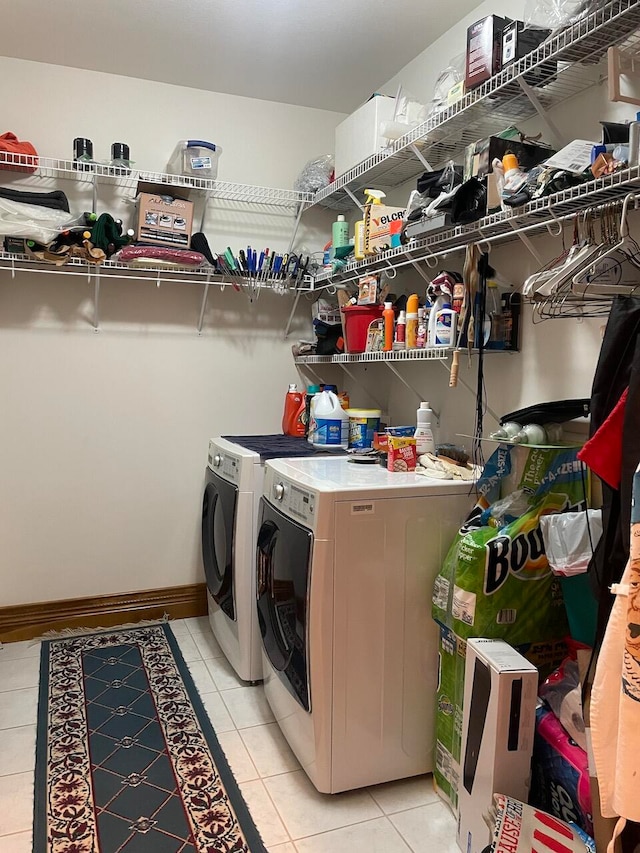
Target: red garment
[
  {"x": 603, "y": 452},
  {"x": 23, "y": 157}
]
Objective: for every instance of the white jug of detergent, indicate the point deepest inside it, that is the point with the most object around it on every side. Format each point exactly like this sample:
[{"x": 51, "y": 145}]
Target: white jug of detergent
[{"x": 330, "y": 422}]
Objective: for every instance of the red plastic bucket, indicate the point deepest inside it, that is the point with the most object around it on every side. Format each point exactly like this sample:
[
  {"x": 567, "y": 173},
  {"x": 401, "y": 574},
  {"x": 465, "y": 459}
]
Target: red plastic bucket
[{"x": 357, "y": 319}]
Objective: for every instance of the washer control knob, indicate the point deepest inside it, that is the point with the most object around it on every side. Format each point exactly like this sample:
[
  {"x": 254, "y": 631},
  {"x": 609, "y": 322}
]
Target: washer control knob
[
  {"x": 217, "y": 460},
  {"x": 278, "y": 491}
]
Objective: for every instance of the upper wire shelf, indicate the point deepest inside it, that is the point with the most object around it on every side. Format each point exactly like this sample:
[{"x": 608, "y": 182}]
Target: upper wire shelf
[
  {"x": 50, "y": 167},
  {"x": 542, "y": 214},
  {"x": 564, "y": 65}
]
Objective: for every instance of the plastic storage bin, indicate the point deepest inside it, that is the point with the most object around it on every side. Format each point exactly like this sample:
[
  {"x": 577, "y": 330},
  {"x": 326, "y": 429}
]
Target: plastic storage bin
[
  {"x": 357, "y": 319},
  {"x": 195, "y": 158}
]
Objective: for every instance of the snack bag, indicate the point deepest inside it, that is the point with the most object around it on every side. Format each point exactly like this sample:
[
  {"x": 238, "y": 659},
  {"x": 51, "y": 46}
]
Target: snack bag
[{"x": 523, "y": 829}]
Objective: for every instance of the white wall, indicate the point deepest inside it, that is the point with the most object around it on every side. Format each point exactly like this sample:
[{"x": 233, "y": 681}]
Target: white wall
[
  {"x": 558, "y": 357},
  {"x": 104, "y": 436}
]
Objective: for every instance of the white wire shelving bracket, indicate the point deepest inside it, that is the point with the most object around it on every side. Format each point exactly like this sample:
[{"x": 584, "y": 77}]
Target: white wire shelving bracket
[
  {"x": 53, "y": 168},
  {"x": 556, "y": 71},
  {"x": 502, "y": 226}
]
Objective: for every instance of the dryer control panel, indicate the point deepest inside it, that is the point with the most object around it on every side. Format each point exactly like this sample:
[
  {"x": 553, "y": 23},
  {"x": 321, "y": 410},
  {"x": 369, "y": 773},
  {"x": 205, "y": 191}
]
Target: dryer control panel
[
  {"x": 224, "y": 464},
  {"x": 290, "y": 498}
]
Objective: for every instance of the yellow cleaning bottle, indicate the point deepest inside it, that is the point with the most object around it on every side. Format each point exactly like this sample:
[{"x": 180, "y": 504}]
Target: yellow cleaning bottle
[{"x": 372, "y": 197}]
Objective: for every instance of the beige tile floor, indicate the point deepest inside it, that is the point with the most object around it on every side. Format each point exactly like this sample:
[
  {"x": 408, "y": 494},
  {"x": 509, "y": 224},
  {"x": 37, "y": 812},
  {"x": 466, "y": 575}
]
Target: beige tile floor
[{"x": 290, "y": 814}]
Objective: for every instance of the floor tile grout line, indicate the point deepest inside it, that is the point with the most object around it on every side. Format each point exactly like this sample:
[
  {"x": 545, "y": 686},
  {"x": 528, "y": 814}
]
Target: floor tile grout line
[
  {"x": 349, "y": 825},
  {"x": 277, "y": 811}
]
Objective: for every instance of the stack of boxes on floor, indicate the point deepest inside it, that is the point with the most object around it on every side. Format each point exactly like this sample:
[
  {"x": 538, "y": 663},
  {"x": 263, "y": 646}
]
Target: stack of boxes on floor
[{"x": 496, "y": 583}]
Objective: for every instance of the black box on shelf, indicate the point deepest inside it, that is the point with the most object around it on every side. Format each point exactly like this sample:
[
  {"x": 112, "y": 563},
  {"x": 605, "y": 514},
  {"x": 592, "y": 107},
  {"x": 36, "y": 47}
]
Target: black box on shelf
[
  {"x": 480, "y": 155},
  {"x": 484, "y": 50},
  {"x": 518, "y": 42}
]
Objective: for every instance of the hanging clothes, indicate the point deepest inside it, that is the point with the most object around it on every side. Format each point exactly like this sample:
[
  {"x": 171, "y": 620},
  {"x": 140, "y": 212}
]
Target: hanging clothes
[
  {"x": 615, "y": 696},
  {"x": 618, "y": 369}
]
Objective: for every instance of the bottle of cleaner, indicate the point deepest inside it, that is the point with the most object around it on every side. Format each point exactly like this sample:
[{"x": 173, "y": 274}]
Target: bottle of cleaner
[
  {"x": 292, "y": 421},
  {"x": 421, "y": 336},
  {"x": 438, "y": 305},
  {"x": 339, "y": 234},
  {"x": 412, "y": 321},
  {"x": 331, "y": 422},
  {"x": 446, "y": 324},
  {"x": 388, "y": 316},
  {"x": 425, "y": 441},
  {"x": 400, "y": 341},
  {"x": 312, "y": 392},
  {"x": 372, "y": 197}
]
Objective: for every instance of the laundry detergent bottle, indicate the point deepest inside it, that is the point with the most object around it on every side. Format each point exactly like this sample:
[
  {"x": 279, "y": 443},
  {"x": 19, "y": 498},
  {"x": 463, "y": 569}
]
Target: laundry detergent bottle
[
  {"x": 331, "y": 422},
  {"x": 292, "y": 417}
]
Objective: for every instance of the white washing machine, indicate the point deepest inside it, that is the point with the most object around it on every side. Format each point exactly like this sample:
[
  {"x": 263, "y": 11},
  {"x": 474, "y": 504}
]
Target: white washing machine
[
  {"x": 233, "y": 486},
  {"x": 347, "y": 557}
]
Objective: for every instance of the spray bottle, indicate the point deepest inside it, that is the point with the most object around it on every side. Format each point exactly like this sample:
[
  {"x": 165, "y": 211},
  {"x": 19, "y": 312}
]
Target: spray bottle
[{"x": 372, "y": 197}]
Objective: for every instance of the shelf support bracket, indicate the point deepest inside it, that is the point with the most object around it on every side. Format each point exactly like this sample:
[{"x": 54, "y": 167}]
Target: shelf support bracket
[
  {"x": 203, "y": 307},
  {"x": 287, "y": 328},
  {"x": 96, "y": 299},
  {"x": 94, "y": 199},
  {"x": 527, "y": 242},
  {"x": 417, "y": 153},
  {"x": 353, "y": 198},
  {"x": 296, "y": 225},
  {"x": 355, "y": 379},
  {"x": 408, "y": 385},
  {"x": 535, "y": 103},
  {"x": 417, "y": 267},
  {"x": 205, "y": 205}
]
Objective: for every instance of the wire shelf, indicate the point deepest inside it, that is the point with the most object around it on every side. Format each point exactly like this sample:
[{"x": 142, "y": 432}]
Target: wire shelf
[
  {"x": 563, "y": 66},
  {"x": 50, "y": 167},
  {"x": 535, "y": 217},
  {"x": 430, "y": 354},
  {"x": 14, "y": 263}
]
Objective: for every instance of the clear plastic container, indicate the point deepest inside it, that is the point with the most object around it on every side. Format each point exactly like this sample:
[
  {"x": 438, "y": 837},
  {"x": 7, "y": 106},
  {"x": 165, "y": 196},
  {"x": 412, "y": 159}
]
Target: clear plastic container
[{"x": 195, "y": 158}]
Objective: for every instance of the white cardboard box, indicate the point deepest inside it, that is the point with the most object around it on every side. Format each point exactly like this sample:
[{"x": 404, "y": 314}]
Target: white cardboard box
[
  {"x": 358, "y": 136},
  {"x": 500, "y": 694}
]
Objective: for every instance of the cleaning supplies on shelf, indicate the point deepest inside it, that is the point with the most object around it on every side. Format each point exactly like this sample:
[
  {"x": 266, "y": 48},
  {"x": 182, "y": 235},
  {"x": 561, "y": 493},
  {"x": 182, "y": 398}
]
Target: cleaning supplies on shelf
[
  {"x": 400, "y": 341},
  {"x": 330, "y": 421},
  {"x": 412, "y": 321},
  {"x": 445, "y": 326},
  {"x": 293, "y": 415},
  {"x": 389, "y": 316},
  {"x": 425, "y": 441},
  {"x": 339, "y": 233},
  {"x": 634, "y": 142},
  {"x": 312, "y": 390},
  {"x": 421, "y": 334}
]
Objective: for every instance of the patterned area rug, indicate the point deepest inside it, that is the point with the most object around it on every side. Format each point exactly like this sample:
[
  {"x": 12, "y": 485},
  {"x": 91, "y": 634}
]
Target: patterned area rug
[{"x": 126, "y": 757}]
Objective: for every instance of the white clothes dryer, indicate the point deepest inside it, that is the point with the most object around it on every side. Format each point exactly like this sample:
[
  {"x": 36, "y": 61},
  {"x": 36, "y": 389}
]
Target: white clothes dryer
[
  {"x": 347, "y": 557},
  {"x": 233, "y": 486}
]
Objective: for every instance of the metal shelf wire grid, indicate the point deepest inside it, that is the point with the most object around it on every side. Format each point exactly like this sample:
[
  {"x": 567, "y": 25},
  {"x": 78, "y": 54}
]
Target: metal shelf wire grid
[
  {"x": 14, "y": 263},
  {"x": 535, "y": 217},
  {"x": 563, "y": 66},
  {"x": 431, "y": 354},
  {"x": 50, "y": 167}
]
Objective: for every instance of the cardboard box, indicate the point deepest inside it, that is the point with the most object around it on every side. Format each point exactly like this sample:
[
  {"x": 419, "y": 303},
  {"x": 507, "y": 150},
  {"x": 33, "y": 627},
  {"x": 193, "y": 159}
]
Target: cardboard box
[
  {"x": 358, "y": 136},
  {"x": 449, "y": 698},
  {"x": 480, "y": 155},
  {"x": 402, "y": 455},
  {"x": 500, "y": 695},
  {"x": 377, "y": 226},
  {"x": 163, "y": 220},
  {"x": 484, "y": 50}
]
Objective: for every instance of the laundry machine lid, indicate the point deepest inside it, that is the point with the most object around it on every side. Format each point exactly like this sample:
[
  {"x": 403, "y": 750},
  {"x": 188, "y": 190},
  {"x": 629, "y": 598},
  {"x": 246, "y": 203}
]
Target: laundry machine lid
[{"x": 276, "y": 446}]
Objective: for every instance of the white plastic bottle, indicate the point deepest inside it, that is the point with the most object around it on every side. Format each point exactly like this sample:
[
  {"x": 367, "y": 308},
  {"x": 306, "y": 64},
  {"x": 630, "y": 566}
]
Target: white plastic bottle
[
  {"x": 331, "y": 422},
  {"x": 425, "y": 440},
  {"x": 446, "y": 320}
]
